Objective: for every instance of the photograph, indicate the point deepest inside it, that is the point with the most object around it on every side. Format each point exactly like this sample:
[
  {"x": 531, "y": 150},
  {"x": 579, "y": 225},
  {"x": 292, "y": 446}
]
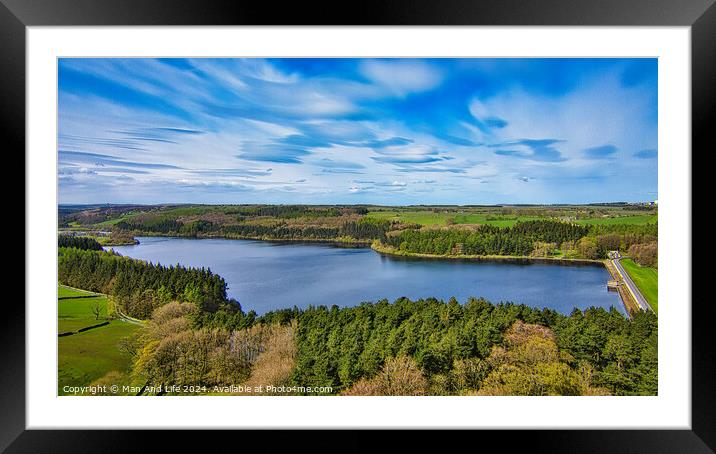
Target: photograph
[{"x": 365, "y": 226}]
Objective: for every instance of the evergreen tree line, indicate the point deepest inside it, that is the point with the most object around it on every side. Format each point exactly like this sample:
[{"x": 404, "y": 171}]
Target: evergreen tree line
[
  {"x": 548, "y": 231},
  {"x": 486, "y": 240},
  {"x": 281, "y": 231},
  {"x": 163, "y": 225},
  {"x": 140, "y": 287},
  {"x": 80, "y": 242},
  {"x": 288, "y": 211},
  {"x": 170, "y": 226},
  {"x": 367, "y": 228},
  {"x": 454, "y": 242},
  {"x": 339, "y": 346},
  {"x": 364, "y": 229},
  {"x": 453, "y": 345},
  {"x": 590, "y": 242}
]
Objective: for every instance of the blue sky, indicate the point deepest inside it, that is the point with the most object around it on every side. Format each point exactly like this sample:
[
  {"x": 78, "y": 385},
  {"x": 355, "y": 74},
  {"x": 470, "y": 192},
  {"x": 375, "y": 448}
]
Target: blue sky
[{"x": 345, "y": 131}]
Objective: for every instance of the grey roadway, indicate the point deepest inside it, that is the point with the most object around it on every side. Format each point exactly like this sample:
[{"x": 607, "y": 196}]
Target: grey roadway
[{"x": 639, "y": 297}]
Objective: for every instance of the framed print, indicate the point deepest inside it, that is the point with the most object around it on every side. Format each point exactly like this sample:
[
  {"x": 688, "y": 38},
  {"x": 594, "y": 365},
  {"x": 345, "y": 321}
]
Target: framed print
[{"x": 418, "y": 217}]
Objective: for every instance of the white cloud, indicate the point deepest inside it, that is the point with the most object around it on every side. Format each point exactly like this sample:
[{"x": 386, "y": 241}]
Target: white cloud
[
  {"x": 273, "y": 129},
  {"x": 315, "y": 102},
  {"x": 403, "y": 76},
  {"x": 261, "y": 69}
]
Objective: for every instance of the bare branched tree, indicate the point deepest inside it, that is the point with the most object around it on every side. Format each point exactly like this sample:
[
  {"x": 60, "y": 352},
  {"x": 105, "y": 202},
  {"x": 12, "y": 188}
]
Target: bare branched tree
[{"x": 96, "y": 309}]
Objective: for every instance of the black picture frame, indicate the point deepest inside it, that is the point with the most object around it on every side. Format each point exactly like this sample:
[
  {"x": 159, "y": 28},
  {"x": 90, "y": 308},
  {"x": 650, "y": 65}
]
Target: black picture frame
[{"x": 700, "y": 15}]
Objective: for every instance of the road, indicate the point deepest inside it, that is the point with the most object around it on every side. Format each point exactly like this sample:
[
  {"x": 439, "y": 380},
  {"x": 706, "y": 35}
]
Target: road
[{"x": 641, "y": 301}]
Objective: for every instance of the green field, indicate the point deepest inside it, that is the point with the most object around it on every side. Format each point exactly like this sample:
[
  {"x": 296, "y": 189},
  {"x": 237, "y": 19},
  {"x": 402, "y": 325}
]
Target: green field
[
  {"x": 647, "y": 279},
  {"x": 417, "y": 217},
  {"x": 76, "y": 313},
  {"x": 110, "y": 222},
  {"x": 633, "y": 220},
  {"x": 440, "y": 218},
  {"x": 427, "y": 217},
  {"x": 87, "y": 356},
  {"x": 498, "y": 221},
  {"x": 64, "y": 292}
]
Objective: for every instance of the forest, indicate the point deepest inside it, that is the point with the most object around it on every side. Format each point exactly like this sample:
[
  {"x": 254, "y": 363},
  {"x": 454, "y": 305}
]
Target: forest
[
  {"x": 280, "y": 229},
  {"x": 479, "y": 347},
  {"x": 486, "y": 240},
  {"x": 79, "y": 242},
  {"x": 139, "y": 287},
  {"x": 540, "y": 238},
  {"x": 195, "y": 336}
]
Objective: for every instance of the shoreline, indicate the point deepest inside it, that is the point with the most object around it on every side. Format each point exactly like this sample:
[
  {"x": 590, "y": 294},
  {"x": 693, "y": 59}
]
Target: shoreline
[
  {"x": 382, "y": 249},
  {"x": 389, "y": 251},
  {"x": 335, "y": 241},
  {"x": 135, "y": 234},
  {"x": 103, "y": 240}
]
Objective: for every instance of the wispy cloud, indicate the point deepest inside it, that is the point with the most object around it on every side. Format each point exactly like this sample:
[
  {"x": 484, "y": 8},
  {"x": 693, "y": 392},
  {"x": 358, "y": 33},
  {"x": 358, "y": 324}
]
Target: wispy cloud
[
  {"x": 401, "y": 77},
  {"x": 271, "y": 152},
  {"x": 235, "y": 172},
  {"x": 483, "y": 119},
  {"x": 100, "y": 160},
  {"x": 335, "y": 164},
  {"x": 532, "y": 149}
]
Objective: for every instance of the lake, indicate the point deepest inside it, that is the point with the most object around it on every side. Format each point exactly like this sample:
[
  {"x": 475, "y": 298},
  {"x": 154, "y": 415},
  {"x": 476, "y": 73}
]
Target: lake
[{"x": 267, "y": 275}]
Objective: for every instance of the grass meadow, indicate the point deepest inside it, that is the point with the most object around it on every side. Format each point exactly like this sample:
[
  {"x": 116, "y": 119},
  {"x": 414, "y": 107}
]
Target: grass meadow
[
  {"x": 632, "y": 220},
  {"x": 647, "y": 279},
  {"x": 86, "y": 356},
  {"x": 428, "y": 217}
]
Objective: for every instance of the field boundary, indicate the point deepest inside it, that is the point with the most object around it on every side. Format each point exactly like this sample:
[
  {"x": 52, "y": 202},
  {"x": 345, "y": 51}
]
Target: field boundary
[
  {"x": 83, "y": 329},
  {"x": 98, "y": 325},
  {"x": 60, "y": 298},
  {"x": 91, "y": 293}
]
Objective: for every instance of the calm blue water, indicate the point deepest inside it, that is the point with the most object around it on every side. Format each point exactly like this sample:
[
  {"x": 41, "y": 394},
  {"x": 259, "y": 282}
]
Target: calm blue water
[{"x": 263, "y": 276}]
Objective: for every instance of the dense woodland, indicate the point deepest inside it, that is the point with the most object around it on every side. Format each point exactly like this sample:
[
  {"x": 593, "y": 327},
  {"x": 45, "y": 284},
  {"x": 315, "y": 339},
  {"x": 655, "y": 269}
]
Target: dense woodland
[
  {"x": 460, "y": 348},
  {"x": 280, "y": 229},
  {"x": 139, "y": 287},
  {"x": 486, "y": 239},
  {"x": 424, "y": 347},
  {"x": 79, "y": 242},
  {"x": 646, "y": 254}
]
